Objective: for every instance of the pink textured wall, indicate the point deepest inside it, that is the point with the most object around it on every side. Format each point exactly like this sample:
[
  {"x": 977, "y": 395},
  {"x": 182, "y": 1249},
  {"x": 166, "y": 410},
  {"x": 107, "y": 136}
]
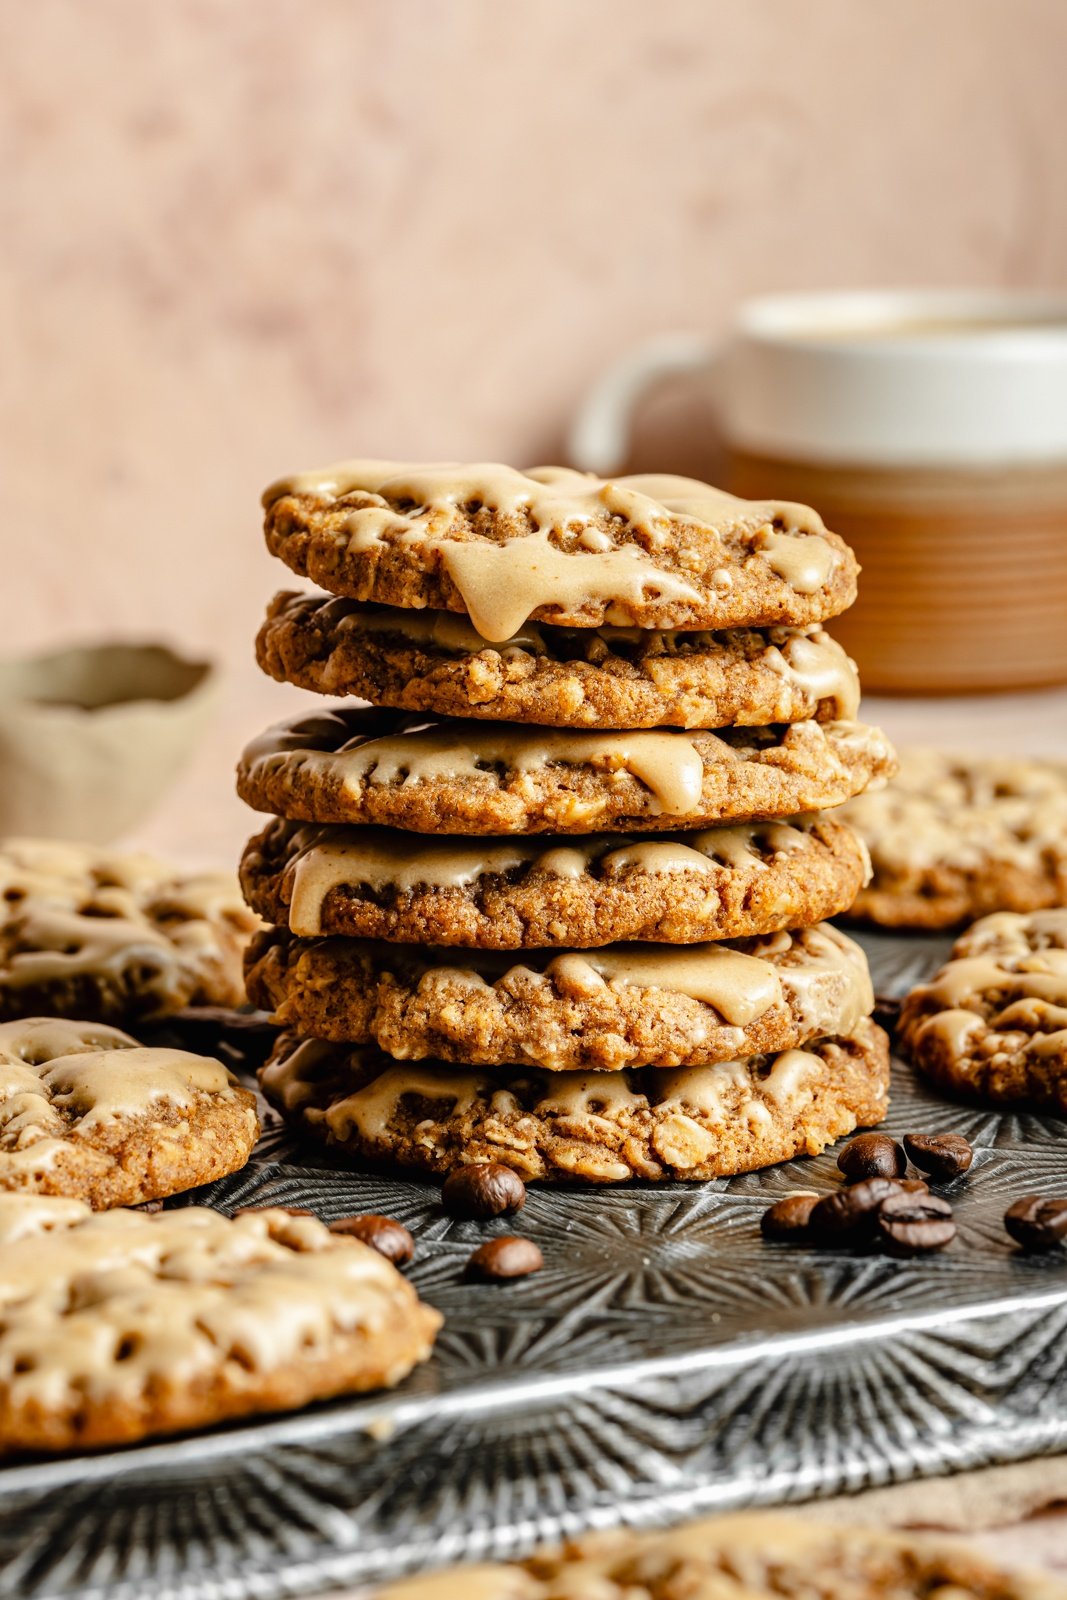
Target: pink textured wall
[{"x": 240, "y": 238}]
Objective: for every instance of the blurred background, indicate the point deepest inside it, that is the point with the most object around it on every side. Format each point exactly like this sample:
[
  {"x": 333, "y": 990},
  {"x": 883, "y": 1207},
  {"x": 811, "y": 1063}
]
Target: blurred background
[{"x": 243, "y": 239}]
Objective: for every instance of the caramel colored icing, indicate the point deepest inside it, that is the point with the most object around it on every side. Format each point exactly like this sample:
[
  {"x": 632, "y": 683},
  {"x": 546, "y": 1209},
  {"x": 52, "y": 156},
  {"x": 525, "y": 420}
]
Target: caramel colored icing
[
  {"x": 104, "y": 1305},
  {"x": 59, "y": 1078},
  {"x": 711, "y": 1093},
  {"x": 68, "y": 911},
  {"x": 965, "y": 813},
  {"x": 807, "y": 658},
  {"x": 377, "y": 858},
  {"x": 667, "y": 762},
  {"x": 503, "y": 583}
]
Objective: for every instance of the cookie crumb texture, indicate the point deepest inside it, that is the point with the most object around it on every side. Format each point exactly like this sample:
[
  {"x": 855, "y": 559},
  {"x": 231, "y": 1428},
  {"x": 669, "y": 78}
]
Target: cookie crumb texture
[
  {"x": 574, "y": 1127},
  {"x": 751, "y": 1556},
  {"x": 113, "y": 936},
  {"x": 119, "y": 1325},
  {"x": 953, "y": 838},
  {"x": 596, "y": 1010},
  {"x": 606, "y": 677},
  {"x": 501, "y": 894},
  {"x": 557, "y": 546},
  {"x": 431, "y": 776},
  {"x": 992, "y": 1024},
  {"x": 86, "y": 1112}
]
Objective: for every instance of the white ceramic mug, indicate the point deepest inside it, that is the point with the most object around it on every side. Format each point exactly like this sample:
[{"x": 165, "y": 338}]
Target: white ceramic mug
[{"x": 930, "y": 429}]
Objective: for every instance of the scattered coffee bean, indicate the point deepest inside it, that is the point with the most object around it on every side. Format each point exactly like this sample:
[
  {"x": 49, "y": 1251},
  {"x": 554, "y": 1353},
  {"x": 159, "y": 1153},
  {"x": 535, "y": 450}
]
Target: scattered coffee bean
[
  {"x": 1037, "y": 1223},
  {"x": 290, "y": 1211},
  {"x": 788, "y": 1219},
  {"x": 872, "y": 1155},
  {"x": 886, "y": 1012},
  {"x": 943, "y": 1155},
  {"x": 914, "y": 1225},
  {"x": 914, "y": 1186},
  {"x": 508, "y": 1257},
  {"x": 849, "y": 1214},
  {"x": 390, "y": 1238},
  {"x": 483, "y": 1191}
]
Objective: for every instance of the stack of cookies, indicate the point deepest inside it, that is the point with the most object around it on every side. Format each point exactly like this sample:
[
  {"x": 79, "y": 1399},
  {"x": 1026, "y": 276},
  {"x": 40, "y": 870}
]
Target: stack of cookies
[{"x": 556, "y": 898}]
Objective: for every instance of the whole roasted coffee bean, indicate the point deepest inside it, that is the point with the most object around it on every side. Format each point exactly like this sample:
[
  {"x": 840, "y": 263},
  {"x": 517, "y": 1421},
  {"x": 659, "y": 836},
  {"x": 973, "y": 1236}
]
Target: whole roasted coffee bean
[
  {"x": 1037, "y": 1223},
  {"x": 509, "y": 1257},
  {"x": 483, "y": 1191},
  {"x": 848, "y": 1215},
  {"x": 913, "y": 1185},
  {"x": 915, "y": 1224},
  {"x": 389, "y": 1237},
  {"x": 943, "y": 1155},
  {"x": 872, "y": 1155},
  {"x": 788, "y": 1219}
]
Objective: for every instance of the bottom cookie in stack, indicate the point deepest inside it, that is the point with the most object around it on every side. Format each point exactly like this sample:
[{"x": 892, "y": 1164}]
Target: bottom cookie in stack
[{"x": 593, "y": 1127}]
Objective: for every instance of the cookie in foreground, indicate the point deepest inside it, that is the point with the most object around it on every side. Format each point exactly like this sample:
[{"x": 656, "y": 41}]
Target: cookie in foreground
[
  {"x": 558, "y": 546},
  {"x": 576, "y": 1127},
  {"x": 120, "y": 1325},
  {"x": 595, "y": 1010},
  {"x": 992, "y": 1024},
  {"x": 86, "y": 1112},
  {"x": 432, "y": 776},
  {"x": 953, "y": 838},
  {"x": 605, "y": 677},
  {"x": 513, "y": 893},
  {"x": 114, "y": 936},
  {"x": 756, "y": 1555}
]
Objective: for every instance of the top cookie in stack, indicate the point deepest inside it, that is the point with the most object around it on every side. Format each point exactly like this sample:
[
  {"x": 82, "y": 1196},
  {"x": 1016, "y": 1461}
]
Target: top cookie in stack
[{"x": 665, "y": 642}]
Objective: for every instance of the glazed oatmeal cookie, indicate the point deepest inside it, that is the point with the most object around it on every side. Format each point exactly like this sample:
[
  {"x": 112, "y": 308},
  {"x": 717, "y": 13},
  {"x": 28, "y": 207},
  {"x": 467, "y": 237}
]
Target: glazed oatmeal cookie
[
  {"x": 114, "y": 936},
  {"x": 748, "y": 1556},
  {"x": 118, "y": 1325},
  {"x": 992, "y": 1024},
  {"x": 563, "y": 677},
  {"x": 955, "y": 837},
  {"x": 513, "y": 893},
  {"x": 575, "y": 1127},
  {"x": 597, "y": 1010},
  {"x": 557, "y": 546},
  {"x": 86, "y": 1112},
  {"x": 382, "y": 767}
]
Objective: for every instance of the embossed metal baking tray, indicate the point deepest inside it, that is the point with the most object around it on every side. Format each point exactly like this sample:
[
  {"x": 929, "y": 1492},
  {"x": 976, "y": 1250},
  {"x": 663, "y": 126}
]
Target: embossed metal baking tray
[{"x": 665, "y": 1362}]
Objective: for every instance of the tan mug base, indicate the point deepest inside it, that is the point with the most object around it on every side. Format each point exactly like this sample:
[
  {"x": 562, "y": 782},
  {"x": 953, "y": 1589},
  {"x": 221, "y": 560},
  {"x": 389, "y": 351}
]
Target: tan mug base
[{"x": 964, "y": 585}]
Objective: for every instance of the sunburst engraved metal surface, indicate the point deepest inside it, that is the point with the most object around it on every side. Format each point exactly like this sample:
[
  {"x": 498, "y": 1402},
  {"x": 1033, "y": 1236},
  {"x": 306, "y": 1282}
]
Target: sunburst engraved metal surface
[{"x": 666, "y": 1361}]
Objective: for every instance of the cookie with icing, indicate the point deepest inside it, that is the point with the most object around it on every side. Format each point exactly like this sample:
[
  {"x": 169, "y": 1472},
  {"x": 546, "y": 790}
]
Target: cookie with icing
[
  {"x": 432, "y": 776},
  {"x": 114, "y": 936},
  {"x": 992, "y": 1024},
  {"x": 558, "y": 546},
  {"x": 609, "y": 677},
  {"x": 955, "y": 837},
  {"x": 86, "y": 1112},
  {"x": 513, "y": 893},
  {"x": 757, "y": 1555},
  {"x": 594, "y": 1010},
  {"x": 577, "y": 1127},
  {"x": 120, "y": 1325}
]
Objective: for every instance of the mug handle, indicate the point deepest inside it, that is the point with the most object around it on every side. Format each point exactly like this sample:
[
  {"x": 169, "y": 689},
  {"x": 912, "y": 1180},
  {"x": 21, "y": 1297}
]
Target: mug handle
[{"x": 599, "y": 437}]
